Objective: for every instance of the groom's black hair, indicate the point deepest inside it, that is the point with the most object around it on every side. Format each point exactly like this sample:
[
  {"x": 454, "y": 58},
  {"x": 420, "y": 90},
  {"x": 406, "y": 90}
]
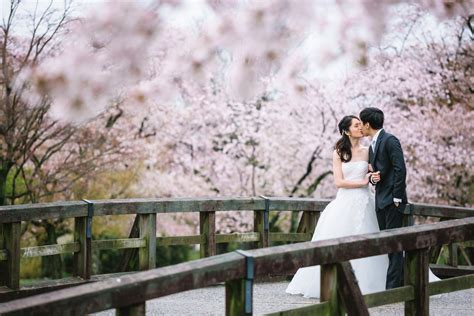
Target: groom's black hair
[{"x": 373, "y": 116}]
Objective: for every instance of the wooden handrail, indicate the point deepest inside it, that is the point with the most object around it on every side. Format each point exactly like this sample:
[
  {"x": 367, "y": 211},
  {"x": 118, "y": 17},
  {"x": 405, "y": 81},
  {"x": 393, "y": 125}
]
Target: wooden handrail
[
  {"x": 27, "y": 212},
  {"x": 139, "y": 287}
]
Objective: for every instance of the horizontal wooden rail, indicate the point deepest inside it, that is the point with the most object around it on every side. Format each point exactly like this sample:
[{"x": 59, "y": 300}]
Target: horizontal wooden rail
[
  {"x": 27, "y": 212},
  {"x": 118, "y": 243},
  {"x": 392, "y": 296},
  {"x": 139, "y": 287},
  {"x": 180, "y": 240},
  {"x": 288, "y": 258},
  {"x": 440, "y": 211},
  {"x": 49, "y": 250}
]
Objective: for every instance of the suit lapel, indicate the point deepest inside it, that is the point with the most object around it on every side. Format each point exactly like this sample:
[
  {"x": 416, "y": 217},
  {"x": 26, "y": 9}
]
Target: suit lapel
[
  {"x": 371, "y": 156},
  {"x": 377, "y": 145}
]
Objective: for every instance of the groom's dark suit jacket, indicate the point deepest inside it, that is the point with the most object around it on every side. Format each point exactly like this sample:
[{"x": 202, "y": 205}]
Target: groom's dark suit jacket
[{"x": 388, "y": 159}]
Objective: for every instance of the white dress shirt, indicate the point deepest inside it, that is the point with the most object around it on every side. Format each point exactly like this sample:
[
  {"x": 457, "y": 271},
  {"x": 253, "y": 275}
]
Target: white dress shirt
[{"x": 372, "y": 144}]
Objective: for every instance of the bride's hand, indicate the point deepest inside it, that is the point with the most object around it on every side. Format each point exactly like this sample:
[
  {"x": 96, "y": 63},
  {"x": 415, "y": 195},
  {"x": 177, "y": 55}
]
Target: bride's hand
[{"x": 366, "y": 179}]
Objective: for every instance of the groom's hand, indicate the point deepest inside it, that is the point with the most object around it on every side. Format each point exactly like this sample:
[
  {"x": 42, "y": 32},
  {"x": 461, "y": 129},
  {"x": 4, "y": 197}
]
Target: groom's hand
[{"x": 375, "y": 177}]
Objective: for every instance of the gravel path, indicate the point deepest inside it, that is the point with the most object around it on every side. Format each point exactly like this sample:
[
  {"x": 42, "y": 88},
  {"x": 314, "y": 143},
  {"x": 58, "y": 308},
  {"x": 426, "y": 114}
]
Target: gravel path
[{"x": 271, "y": 297}]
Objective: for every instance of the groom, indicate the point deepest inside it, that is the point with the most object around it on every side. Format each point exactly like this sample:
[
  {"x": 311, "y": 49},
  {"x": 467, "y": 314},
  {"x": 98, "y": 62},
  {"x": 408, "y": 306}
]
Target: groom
[{"x": 386, "y": 158}]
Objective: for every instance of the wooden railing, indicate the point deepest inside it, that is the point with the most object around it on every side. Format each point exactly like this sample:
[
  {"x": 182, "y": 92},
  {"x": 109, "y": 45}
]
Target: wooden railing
[
  {"x": 146, "y": 240},
  {"x": 339, "y": 289}
]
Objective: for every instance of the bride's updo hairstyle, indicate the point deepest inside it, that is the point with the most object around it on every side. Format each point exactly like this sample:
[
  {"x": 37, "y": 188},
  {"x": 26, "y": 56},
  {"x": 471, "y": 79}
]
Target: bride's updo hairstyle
[{"x": 343, "y": 145}]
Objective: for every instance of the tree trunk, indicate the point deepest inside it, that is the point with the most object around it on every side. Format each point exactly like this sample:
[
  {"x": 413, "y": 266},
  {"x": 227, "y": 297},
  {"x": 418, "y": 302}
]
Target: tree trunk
[
  {"x": 3, "y": 186},
  {"x": 3, "y": 191},
  {"x": 51, "y": 266}
]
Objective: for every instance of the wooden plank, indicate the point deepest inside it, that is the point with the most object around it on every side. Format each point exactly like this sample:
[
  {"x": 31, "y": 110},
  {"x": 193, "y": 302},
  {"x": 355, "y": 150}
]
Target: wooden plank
[
  {"x": 259, "y": 227},
  {"x": 240, "y": 237},
  {"x": 130, "y": 254},
  {"x": 445, "y": 271},
  {"x": 451, "y": 285},
  {"x": 82, "y": 264},
  {"x": 118, "y": 243},
  {"x": 349, "y": 290},
  {"x": 308, "y": 222},
  {"x": 175, "y": 205},
  {"x": 289, "y": 258},
  {"x": 3, "y": 258},
  {"x": 11, "y": 236},
  {"x": 28, "y": 212},
  {"x": 295, "y": 237},
  {"x": 442, "y": 211},
  {"x": 49, "y": 250},
  {"x": 16, "y": 213},
  {"x": 207, "y": 227},
  {"x": 316, "y": 309},
  {"x": 453, "y": 254},
  {"x": 180, "y": 240},
  {"x": 329, "y": 288},
  {"x": 45, "y": 286},
  {"x": 147, "y": 254},
  {"x": 416, "y": 275},
  {"x": 400, "y": 294},
  {"x": 235, "y": 298},
  {"x": 131, "y": 288}
]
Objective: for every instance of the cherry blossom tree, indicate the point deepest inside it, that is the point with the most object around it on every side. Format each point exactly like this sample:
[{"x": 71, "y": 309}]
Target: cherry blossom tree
[
  {"x": 41, "y": 157},
  {"x": 425, "y": 88}
]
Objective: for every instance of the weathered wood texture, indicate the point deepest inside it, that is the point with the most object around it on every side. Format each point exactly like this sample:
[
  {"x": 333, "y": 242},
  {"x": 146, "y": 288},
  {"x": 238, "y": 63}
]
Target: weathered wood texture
[
  {"x": 142, "y": 286},
  {"x": 349, "y": 290},
  {"x": 49, "y": 250},
  {"x": 207, "y": 228},
  {"x": 15, "y": 213},
  {"x": 447, "y": 271},
  {"x": 82, "y": 264},
  {"x": 147, "y": 254},
  {"x": 416, "y": 275},
  {"x": 130, "y": 254},
  {"x": 11, "y": 237},
  {"x": 235, "y": 297},
  {"x": 259, "y": 227},
  {"x": 131, "y": 289},
  {"x": 329, "y": 288},
  {"x": 288, "y": 258}
]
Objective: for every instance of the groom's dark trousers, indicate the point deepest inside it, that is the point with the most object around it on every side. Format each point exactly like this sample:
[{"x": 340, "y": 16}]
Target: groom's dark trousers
[
  {"x": 390, "y": 217},
  {"x": 388, "y": 159}
]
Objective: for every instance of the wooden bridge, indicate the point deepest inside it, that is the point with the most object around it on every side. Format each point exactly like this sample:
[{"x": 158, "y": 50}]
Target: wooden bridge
[{"x": 128, "y": 293}]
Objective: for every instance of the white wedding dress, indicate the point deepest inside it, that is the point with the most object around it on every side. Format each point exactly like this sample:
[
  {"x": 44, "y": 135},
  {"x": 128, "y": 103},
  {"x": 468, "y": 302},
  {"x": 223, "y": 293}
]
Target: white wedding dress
[{"x": 352, "y": 212}]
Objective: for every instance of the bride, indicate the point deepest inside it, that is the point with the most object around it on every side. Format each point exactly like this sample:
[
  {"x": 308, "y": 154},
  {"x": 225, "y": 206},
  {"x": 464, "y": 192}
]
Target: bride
[{"x": 352, "y": 212}]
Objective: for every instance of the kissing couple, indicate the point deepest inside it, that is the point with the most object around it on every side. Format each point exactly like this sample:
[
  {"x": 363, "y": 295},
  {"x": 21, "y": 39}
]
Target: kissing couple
[{"x": 355, "y": 210}]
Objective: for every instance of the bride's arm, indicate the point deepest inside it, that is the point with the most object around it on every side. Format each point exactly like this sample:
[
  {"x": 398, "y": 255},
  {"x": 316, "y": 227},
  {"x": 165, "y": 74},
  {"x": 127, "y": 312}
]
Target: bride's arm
[{"x": 339, "y": 178}]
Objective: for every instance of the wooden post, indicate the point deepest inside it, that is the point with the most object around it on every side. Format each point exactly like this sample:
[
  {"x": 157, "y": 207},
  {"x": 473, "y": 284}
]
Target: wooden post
[
  {"x": 147, "y": 254},
  {"x": 207, "y": 227},
  {"x": 308, "y": 222},
  {"x": 82, "y": 265},
  {"x": 349, "y": 290},
  {"x": 3, "y": 264},
  {"x": 146, "y": 259},
  {"x": 132, "y": 310},
  {"x": 259, "y": 227},
  {"x": 416, "y": 275},
  {"x": 11, "y": 236},
  {"x": 235, "y": 297},
  {"x": 129, "y": 255},
  {"x": 329, "y": 288},
  {"x": 453, "y": 254}
]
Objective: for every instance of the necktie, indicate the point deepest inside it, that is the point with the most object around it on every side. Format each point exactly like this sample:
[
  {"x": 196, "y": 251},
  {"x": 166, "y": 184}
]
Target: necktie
[{"x": 372, "y": 144}]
